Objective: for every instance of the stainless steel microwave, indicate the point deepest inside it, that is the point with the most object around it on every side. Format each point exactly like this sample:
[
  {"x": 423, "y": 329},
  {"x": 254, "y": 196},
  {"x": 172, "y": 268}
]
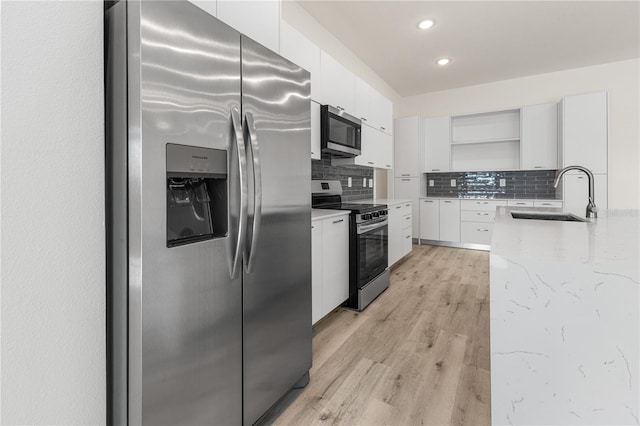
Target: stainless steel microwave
[{"x": 339, "y": 132}]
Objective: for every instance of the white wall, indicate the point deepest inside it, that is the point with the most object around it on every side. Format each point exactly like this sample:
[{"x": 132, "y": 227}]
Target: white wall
[
  {"x": 53, "y": 348},
  {"x": 302, "y": 21},
  {"x": 620, "y": 79}
]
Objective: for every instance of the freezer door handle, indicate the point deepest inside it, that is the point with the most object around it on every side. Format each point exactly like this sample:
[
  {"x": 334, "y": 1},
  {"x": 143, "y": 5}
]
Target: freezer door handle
[
  {"x": 257, "y": 190},
  {"x": 242, "y": 167}
]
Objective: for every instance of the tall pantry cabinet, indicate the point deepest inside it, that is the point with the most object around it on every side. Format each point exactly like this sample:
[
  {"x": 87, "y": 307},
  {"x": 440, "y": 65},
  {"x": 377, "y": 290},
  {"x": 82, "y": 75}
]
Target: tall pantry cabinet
[
  {"x": 584, "y": 140},
  {"x": 408, "y": 152}
]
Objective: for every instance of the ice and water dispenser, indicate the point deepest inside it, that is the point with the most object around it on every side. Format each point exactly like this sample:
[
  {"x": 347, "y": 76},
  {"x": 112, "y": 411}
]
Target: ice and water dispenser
[{"x": 196, "y": 194}]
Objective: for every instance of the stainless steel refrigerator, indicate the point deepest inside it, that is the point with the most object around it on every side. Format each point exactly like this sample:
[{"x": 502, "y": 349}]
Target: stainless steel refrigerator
[{"x": 209, "y": 241}]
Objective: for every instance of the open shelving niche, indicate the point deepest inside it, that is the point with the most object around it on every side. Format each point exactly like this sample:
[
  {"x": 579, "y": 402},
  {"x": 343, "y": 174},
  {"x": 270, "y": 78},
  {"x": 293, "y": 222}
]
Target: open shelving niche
[{"x": 486, "y": 141}]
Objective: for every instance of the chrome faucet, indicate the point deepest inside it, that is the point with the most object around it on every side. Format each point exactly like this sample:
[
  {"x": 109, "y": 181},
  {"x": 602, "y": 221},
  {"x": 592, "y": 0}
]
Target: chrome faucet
[{"x": 592, "y": 209}]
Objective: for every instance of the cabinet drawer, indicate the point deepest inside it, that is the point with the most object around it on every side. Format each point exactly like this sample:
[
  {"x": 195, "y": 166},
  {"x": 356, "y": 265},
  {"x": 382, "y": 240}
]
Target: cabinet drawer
[
  {"x": 483, "y": 205},
  {"x": 406, "y": 221},
  {"x": 406, "y": 208},
  {"x": 557, "y": 204},
  {"x": 476, "y": 232},
  {"x": 407, "y": 243},
  {"x": 469, "y": 216},
  {"x": 519, "y": 203}
]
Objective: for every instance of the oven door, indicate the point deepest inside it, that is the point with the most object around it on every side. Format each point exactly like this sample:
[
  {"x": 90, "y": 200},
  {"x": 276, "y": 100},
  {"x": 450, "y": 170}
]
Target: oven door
[{"x": 372, "y": 250}]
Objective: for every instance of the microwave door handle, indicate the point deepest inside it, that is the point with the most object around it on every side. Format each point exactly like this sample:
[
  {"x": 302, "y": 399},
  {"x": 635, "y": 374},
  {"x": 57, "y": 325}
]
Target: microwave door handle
[
  {"x": 242, "y": 167},
  {"x": 257, "y": 190}
]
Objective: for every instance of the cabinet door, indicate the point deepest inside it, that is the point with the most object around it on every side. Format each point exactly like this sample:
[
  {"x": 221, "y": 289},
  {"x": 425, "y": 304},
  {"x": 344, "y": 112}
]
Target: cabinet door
[
  {"x": 429, "y": 219},
  {"x": 575, "y": 189},
  {"x": 409, "y": 188},
  {"x": 407, "y": 243},
  {"x": 406, "y": 149},
  {"x": 369, "y": 147},
  {"x": 337, "y": 84},
  {"x": 385, "y": 147},
  {"x": 259, "y": 20},
  {"x": 381, "y": 112},
  {"x": 450, "y": 220},
  {"x": 395, "y": 233},
  {"x": 315, "y": 131},
  {"x": 585, "y": 131},
  {"x": 362, "y": 107},
  {"x": 300, "y": 50},
  {"x": 335, "y": 262},
  {"x": 539, "y": 138},
  {"x": 316, "y": 271},
  {"x": 437, "y": 144}
]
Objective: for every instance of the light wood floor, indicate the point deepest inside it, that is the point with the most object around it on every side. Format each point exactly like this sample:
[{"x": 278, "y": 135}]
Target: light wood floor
[{"x": 418, "y": 355}]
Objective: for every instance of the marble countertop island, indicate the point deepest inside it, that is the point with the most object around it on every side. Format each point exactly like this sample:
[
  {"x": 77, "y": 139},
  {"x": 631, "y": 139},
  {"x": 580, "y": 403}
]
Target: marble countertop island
[{"x": 564, "y": 302}]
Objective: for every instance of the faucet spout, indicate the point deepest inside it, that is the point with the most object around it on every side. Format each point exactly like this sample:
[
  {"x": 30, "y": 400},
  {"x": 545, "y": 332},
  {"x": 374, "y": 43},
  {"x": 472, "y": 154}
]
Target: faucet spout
[{"x": 592, "y": 209}]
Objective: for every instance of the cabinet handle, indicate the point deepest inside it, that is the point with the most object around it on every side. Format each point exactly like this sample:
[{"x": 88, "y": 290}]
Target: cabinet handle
[
  {"x": 482, "y": 202},
  {"x": 398, "y": 207},
  {"x": 482, "y": 214},
  {"x": 363, "y": 119},
  {"x": 408, "y": 218},
  {"x": 339, "y": 107},
  {"x": 382, "y": 128},
  {"x": 369, "y": 162},
  {"x": 521, "y": 204},
  {"x": 408, "y": 180},
  {"x": 388, "y": 165},
  {"x": 547, "y": 204},
  {"x": 408, "y": 236},
  {"x": 338, "y": 221},
  {"x": 448, "y": 202},
  {"x": 482, "y": 230},
  {"x": 427, "y": 201},
  {"x": 312, "y": 152},
  {"x": 407, "y": 205},
  {"x": 406, "y": 174},
  {"x": 435, "y": 170},
  {"x": 537, "y": 167},
  {"x": 311, "y": 226}
]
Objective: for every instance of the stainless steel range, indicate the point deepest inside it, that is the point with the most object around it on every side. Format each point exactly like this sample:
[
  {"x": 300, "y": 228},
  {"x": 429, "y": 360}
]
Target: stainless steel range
[{"x": 368, "y": 242}]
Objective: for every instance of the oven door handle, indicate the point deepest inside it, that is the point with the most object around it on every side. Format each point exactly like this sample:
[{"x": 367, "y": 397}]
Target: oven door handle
[{"x": 366, "y": 228}]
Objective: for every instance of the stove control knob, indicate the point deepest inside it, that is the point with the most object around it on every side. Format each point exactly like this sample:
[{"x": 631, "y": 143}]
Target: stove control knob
[
  {"x": 366, "y": 216},
  {"x": 376, "y": 214},
  {"x": 383, "y": 212}
]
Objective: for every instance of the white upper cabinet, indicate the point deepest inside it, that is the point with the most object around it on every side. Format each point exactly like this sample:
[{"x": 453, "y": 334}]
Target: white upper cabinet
[
  {"x": 209, "y": 6},
  {"x": 407, "y": 147},
  {"x": 300, "y": 50},
  {"x": 575, "y": 188},
  {"x": 362, "y": 109},
  {"x": 585, "y": 130},
  {"x": 437, "y": 144},
  {"x": 337, "y": 84},
  {"x": 539, "y": 137},
  {"x": 315, "y": 131},
  {"x": 381, "y": 112},
  {"x": 376, "y": 150},
  {"x": 385, "y": 151},
  {"x": 260, "y": 20}
]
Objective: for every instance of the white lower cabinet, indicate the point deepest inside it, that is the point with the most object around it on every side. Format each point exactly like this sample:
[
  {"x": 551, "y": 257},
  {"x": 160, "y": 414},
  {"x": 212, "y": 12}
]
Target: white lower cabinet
[
  {"x": 450, "y": 220},
  {"x": 330, "y": 263},
  {"x": 476, "y": 232},
  {"x": 429, "y": 219},
  {"x": 316, "y": 271},
  {"x": 409, "y": 189},
  {"x": 400, "y": 231}
]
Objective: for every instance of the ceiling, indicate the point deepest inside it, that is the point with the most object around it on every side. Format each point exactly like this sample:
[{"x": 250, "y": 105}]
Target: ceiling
[{"x": 485, "y": 40}]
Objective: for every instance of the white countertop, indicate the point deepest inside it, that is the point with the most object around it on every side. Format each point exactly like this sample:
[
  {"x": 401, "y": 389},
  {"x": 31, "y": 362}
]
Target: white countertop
[
  {"x": 317, "y": 214},
  {"x": 564, "y": 320},
  {"x": 387, "y": 201}
]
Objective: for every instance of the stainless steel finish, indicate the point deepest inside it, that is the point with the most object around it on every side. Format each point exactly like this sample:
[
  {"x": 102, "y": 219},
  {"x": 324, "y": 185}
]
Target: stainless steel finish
[
  {"x": 340, "y": 111},
  {"x": 192, "y": 159},
  {"x": 361, "y": 228},
  {"x": 592, "y": 209},
  {"x": 183, "y": 342},
  {"x": 335, "y": 187},
  {"x": 343, "y": 148},
  {"x": 565, "y": 217},
  {"x": 368, "y": 293},
  {"x": 482, "y": 230},
  {"x": 242, "y": 192},
  {"x": 277, "y": 293},
  {"x": 256, "y": 216},
  {"x": 336, "y": 221}
]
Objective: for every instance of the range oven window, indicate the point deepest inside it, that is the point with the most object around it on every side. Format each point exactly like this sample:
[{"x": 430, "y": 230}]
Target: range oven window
[{"x": 373, "y": 252}]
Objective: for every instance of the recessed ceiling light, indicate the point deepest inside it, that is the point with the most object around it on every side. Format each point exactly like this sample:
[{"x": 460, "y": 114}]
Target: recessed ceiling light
[
  {"x": 426, "y": 24},
  {"x": 443, "y": 61}
]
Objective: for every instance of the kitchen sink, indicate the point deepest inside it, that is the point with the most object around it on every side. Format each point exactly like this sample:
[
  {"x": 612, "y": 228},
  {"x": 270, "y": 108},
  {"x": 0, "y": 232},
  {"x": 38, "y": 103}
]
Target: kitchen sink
[{"x": 565, "y": 217}]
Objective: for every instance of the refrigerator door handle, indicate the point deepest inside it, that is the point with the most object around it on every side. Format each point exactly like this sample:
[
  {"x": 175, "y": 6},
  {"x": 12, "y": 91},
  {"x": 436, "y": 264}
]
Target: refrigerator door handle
[
  {"x": 257, "y": 190},
  {"x": 242, "y": 166}
]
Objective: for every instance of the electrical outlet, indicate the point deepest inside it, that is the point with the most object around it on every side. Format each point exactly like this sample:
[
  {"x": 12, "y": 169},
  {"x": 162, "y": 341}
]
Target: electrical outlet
[
  {"x": 370, "y": 183},
  {"x": 349, "y": 182},
  {"x": 364, "y": 182},
  {"x": 431, "y": 182},
  {"x": 503, "y": 182},
  {"x": 453, "y": 182}
]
